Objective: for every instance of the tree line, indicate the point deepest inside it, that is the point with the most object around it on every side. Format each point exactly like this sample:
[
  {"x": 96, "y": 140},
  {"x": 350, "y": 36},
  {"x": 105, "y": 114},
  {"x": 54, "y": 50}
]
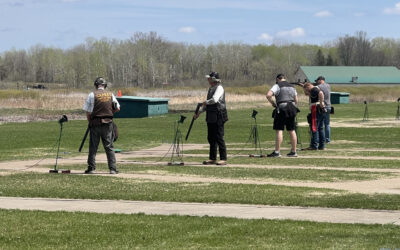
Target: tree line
[{"x": 148, "y": 60}]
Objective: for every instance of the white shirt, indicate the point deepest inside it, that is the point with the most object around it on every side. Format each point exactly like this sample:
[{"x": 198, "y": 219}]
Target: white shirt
[
  {"x": 217, "y": 96},
  {"x": 89, "y": 103}
]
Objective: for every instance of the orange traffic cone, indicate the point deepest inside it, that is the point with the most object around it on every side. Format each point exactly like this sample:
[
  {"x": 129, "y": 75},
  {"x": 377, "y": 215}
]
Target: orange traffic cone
[{"x": 119, "y": 93}]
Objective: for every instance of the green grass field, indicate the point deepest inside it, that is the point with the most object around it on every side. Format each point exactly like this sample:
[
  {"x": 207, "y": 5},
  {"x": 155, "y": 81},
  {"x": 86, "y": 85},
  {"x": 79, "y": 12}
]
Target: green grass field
[{"x": 62, "y": 230}]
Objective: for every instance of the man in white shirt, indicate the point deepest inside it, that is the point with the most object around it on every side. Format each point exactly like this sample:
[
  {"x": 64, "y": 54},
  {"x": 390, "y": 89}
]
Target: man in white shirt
[
  {"x": 216, "y": 116},
  {"x": 285, "y": 105},
  {"x": 100, "y": 107}
]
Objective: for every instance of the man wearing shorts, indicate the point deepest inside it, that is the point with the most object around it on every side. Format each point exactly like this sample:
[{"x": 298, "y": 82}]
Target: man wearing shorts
[{"x": 285, "y": 112}]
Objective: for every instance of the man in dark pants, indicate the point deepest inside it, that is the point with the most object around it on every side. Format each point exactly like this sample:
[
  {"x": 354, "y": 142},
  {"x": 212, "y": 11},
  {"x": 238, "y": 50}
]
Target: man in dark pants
[
  {"x": 100, "y": 107},
  {"x": 326, "y": 89},
  {"x": 284, "y": 114},
  {"x": 318, "y": 114},
  {"x": 216, "y": 116}
]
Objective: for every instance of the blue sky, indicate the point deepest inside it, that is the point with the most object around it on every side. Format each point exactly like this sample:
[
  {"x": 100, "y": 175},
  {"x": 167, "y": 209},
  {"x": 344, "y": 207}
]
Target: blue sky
[{"x": 65, "y": 23}]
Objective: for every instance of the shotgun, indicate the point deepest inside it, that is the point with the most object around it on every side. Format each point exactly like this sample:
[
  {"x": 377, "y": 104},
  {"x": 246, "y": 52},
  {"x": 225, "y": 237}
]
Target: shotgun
[
  {"x": 84, "y": 138},
  {"x": 191, "y": 123}
]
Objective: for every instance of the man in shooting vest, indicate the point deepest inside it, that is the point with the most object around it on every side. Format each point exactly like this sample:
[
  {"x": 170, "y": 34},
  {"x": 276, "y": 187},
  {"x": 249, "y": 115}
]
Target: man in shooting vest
[
  {"x": 216, "y": 116},
  {"x": 284, "y": 114},
  {"x": 100, "y": 107}
]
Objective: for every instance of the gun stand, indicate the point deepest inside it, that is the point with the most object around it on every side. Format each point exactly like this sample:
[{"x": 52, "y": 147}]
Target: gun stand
[
  {"x": 298, "y": 134},
  {"x": 255, "y": 138},
  {"x": 177, "y": 145},
  {"x": 55, "y": 170},
  {"x": 366, "y": 116}
]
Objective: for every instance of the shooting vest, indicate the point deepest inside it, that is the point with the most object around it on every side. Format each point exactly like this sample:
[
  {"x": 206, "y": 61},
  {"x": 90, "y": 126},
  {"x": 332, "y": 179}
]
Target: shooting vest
[
  {"x": 314, "y": 94},
  {"x": 102, "y": 110},
  {"x": 216, "y": 112},
  {"x": 286, "y": 94}
]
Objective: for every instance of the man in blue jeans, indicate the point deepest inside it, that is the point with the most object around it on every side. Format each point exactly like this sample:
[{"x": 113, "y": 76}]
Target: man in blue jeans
[
  {"x": 318, "y": 116},
  {"x": 326, "y": 89}
]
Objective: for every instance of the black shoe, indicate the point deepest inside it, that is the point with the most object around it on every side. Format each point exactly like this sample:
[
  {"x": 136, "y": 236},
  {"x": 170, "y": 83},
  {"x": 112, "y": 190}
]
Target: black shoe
[
  {"x": 114, "y": 171},
  {"x": 309, "y": 148},
  {"x": 89, "y": 171},
  {"x": 273, "y": 154},
  {"x": 210, "y": 162},
  {"x": 292, "y": 154}
]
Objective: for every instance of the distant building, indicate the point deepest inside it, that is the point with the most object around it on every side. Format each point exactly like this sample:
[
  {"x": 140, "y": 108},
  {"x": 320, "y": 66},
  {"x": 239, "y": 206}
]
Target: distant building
[{"x": 350, "y": 75}]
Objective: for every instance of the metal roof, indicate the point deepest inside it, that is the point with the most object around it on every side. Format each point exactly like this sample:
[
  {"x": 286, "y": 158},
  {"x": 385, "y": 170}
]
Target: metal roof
[
  {"x": 353, "y": 74},
  {"x": 142, "y": 99}
]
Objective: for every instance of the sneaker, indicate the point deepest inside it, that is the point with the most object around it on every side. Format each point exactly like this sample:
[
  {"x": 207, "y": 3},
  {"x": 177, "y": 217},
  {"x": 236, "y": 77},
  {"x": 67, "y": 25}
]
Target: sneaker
[
  {"x": 221, "y": 163},
  {"x": 292, "y": 154},
  {"x": 273, "y": 154},
  {"x": 209, "y": 162},
  {"x": 89, "y": 171},
  {"x": 114, "y": 171}
]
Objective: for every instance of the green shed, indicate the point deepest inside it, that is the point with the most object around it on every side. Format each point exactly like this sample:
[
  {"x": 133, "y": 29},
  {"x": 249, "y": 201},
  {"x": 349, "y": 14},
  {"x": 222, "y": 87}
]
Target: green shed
[
  {"x": 138, "y": 106},
  {"x": 340, "y": 97}
]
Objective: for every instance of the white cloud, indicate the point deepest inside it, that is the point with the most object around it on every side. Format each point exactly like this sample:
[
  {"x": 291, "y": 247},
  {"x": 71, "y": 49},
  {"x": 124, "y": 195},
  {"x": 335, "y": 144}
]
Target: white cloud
[
  {"x": 297, "y": 32},
  {"x": 265, "y": 37},
  {"x": 324, "y": 13},
  {"x": 187, "y": 29},
  {"x": 393, "y": 11}
]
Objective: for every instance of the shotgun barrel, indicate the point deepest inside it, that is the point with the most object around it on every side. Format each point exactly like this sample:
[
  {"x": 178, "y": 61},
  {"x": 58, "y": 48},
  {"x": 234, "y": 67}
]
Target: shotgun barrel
[
  {"x": 84, "y": 138},
  {"x": 191, "y": 123}
]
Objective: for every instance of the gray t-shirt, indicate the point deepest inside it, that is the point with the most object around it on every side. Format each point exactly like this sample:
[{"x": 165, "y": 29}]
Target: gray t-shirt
[{"x": 326, "y": 89}]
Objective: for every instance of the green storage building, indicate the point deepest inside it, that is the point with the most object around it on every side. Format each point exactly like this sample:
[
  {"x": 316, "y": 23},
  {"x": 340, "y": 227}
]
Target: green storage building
[
  {"x": 340, "y": 98},
  {"x": 137, "y": 106}
]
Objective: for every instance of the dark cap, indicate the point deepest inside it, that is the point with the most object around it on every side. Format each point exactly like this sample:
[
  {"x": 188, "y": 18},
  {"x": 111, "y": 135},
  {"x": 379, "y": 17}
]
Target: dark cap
[
  {"x": 320, "y": 78},
  {"x": 280, "y": 76},
  {"x": 214, "y": 76},
  {"x": 99, "y": 81}
]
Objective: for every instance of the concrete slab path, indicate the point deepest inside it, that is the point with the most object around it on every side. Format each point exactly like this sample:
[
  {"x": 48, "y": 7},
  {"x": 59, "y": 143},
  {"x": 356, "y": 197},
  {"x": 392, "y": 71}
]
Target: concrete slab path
[{"x": 242, "y": 211}]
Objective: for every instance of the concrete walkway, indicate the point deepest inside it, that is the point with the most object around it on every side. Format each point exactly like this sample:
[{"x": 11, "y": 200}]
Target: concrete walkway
[{"x": 242, "y": 211}]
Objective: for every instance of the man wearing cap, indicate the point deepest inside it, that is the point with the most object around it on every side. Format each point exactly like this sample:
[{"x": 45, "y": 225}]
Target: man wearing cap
[
  {"x": 326, "y": 89},
  {"x": 318, "y": 111},
  {"x": 284, "y": 114},
  {"x": 100, "y": 107},
  {"x": 216, "y": 116}
]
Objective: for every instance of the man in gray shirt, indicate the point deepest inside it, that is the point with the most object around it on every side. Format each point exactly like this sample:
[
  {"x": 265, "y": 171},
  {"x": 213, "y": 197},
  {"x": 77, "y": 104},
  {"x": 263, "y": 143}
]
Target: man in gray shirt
[{"x": 326, "y": 89}]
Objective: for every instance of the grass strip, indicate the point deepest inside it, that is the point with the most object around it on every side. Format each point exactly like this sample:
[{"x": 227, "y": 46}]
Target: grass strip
[
  {"x": 326, "y": 153},
  {"x": 287, "y": 161},
  {"x": 64, "y": 230},
  {"x": 103, "y": 187},
  {"x": 315, "y": 175}
]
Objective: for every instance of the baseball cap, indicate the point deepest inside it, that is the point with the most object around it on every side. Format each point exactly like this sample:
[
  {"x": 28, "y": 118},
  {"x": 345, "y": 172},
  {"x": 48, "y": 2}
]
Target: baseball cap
[{"x": 213, "y": 75}]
